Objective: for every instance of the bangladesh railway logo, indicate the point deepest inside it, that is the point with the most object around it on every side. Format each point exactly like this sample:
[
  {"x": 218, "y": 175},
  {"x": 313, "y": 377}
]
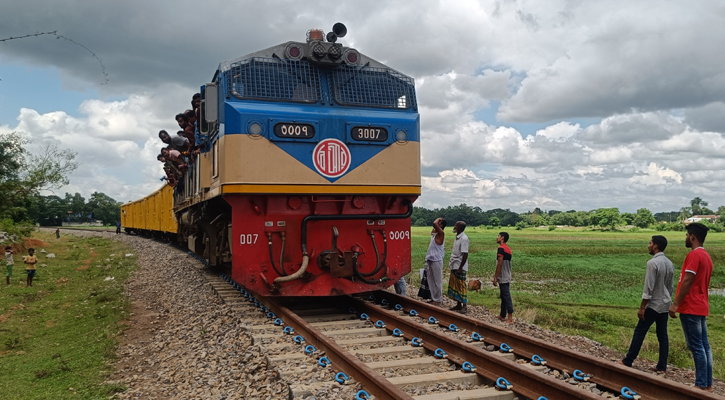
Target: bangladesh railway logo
[{"x": 331, "y": 158}]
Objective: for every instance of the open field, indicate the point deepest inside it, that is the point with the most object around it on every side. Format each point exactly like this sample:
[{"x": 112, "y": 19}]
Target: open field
[
  {"x": 57, "y": 337},
  {"x": 586, "y": 283}
]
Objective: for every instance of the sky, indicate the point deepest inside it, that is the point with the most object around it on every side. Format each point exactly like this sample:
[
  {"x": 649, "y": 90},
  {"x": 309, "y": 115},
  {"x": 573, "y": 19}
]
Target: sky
[{"x": 553, "y": 104}]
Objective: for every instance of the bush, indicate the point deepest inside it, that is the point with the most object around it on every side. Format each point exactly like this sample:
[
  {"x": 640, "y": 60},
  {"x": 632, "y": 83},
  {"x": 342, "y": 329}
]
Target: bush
[
  {"x": 552, "y": 227},
  {"x": 521, "y": 225},
  {"x": 714, "y": 227},
  {"x": 16, "y": 230},
  {"x": 670, "y": 227}
]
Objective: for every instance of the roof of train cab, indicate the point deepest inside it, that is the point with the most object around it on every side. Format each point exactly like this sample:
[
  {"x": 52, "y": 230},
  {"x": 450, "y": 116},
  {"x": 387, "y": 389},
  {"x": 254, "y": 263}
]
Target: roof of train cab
[{"x": 281, "y": 52}]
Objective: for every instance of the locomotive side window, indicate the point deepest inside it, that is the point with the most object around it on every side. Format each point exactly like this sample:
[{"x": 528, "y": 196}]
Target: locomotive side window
[{"x": 215, "y": 160}]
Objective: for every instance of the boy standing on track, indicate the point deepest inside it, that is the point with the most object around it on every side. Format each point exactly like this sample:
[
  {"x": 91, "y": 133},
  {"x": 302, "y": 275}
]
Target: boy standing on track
[
  {"x": 693, "y": 304},
  {"x": 457, "y": 289},
  {"x": 30, "y": 261},
  {"x": 9, "y": 262},
  {"x": 502, "y": 277},
  {"x": 434, "y": 261},
  {"x": 656, "y": 301}
]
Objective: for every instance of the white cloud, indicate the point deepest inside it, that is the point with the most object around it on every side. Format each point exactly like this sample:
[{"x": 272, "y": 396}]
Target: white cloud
[
  {"x": 560, "y": 131},
  {"x": 117, "y": 142},
  {"x": 646, "y": 76},
  {"x": 657, "y": 175}
]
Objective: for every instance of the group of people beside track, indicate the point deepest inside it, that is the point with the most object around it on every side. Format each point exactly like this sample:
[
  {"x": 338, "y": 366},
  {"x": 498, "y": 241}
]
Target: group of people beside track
[
  {"x": 690, "y": 301},
  {"x": 432, "y": 282},
  {"x": 181, "y": 149}
]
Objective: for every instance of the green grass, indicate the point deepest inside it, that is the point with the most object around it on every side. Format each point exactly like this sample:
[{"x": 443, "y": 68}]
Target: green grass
[
  {"x": 586, "y": 283},
  {"x": 61, "y": 333}
]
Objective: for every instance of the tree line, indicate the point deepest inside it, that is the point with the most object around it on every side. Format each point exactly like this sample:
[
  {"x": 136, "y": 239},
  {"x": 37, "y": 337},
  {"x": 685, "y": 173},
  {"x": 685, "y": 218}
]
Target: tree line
[
  {"x": 24, "y": 176},
  {"x": 54, "y": 210},
  {"x": 605, "y": 218}
]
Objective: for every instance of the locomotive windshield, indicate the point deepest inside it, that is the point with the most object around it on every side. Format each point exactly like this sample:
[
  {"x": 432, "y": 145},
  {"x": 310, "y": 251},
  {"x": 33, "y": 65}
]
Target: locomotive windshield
[
  {"x": 372, "y": 87},
  {"x": 271, "y": 79}
]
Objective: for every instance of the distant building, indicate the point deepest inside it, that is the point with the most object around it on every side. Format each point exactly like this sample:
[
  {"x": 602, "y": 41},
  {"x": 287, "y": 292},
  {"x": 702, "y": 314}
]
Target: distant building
[
  {"x": 88, "y": 223},
  {"x": 699, "y": 218}
]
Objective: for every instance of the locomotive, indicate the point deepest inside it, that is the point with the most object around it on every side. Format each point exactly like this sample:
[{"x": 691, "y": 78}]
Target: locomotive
[{"x": 309, "y": 168}]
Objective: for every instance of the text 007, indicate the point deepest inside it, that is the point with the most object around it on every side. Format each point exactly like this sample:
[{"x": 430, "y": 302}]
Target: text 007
[{"x": 248, "y": 238}]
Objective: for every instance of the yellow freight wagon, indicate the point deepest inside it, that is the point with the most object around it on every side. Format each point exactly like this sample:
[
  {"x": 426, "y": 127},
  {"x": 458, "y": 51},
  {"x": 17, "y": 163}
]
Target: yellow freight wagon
[{"x": 153, "y": 213}]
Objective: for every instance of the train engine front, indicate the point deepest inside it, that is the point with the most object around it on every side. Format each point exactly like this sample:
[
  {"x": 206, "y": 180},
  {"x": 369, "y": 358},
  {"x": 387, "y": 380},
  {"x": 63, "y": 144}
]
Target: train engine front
[{"x": 314, "y": 149}]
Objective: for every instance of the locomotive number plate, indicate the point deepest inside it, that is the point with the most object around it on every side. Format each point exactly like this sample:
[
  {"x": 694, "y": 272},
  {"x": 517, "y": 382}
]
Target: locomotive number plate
[
  {"x": 294, "y": 131},
  {"x": 369, "y": 133}
]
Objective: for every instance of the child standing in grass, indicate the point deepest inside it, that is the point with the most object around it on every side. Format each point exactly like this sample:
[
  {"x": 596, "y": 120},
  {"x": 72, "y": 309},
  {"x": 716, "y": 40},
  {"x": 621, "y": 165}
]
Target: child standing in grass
[
  {"x": 9, "y": 262},
  {"x": 30, "y": 261}
]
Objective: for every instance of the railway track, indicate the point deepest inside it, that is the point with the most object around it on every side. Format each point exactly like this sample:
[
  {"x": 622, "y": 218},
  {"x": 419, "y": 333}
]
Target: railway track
[{"x": 395, "y": 347}]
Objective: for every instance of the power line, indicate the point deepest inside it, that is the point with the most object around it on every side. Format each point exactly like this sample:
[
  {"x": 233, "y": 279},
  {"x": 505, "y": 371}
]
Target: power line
[{"x": 57, "y": 36}]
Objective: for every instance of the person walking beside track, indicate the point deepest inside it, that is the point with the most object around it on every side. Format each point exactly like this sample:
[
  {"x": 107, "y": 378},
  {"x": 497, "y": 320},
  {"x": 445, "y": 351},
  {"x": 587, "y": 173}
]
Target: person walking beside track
[
  {"x": 9, "y": 263},
  {"x": 693, "y": 304},
  {"x": 459, "y": 267},
  {"x": 434, "y": 261},
  {"x": 656, "y": 301},
  {"x": 502, "y": 277}
]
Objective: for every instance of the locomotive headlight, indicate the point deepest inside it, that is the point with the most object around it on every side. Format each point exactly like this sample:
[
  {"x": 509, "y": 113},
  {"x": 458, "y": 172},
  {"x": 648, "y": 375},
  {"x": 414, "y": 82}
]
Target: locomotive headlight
[
  {"x": 319, "y": 50},
  {"x": 255, "y": 129},
  {"x": 401, "y": 136},
  {"x": 335, "y": 52}
]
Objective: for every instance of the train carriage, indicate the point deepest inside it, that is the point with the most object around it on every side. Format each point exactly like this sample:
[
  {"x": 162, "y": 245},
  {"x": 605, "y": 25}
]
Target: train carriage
[{"x": 310, "y": 164}]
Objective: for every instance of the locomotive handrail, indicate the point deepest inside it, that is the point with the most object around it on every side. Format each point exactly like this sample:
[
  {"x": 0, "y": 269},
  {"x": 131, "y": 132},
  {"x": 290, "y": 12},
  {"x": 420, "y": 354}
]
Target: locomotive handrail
[{"x": 303, "y": 236}]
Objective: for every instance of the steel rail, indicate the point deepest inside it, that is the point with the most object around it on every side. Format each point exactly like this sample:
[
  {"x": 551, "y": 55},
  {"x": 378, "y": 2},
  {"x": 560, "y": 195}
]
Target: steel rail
[
  {"x": 341, "y": 359},
  {"x": 525, "y": 380},
  {"x": 604, "y": 373}
]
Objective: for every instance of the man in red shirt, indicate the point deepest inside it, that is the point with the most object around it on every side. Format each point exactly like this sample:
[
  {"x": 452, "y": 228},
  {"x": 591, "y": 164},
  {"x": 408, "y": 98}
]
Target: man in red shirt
[{"x": 693, "y": 305}]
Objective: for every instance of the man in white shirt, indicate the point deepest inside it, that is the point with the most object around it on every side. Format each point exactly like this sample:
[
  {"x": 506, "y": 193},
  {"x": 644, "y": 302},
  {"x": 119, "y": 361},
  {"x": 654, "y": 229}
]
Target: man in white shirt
[{"x": 458, "y": 265}]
